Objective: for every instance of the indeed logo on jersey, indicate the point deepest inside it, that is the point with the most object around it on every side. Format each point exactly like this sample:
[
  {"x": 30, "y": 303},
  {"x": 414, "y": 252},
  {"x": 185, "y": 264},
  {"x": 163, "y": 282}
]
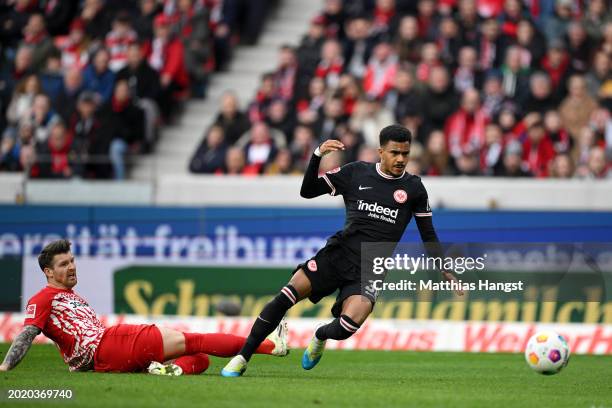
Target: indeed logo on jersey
[{"x": 378, "y": 211}]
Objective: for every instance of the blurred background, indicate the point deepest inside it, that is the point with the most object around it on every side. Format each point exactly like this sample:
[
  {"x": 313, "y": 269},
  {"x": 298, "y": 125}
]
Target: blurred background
[{"x": 167, "y": 140}]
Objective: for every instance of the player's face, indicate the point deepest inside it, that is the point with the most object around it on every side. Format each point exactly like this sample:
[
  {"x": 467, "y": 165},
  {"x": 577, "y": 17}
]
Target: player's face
[
  {"x": 63, "y": 272},
  {"x": 394, "y": 157}
]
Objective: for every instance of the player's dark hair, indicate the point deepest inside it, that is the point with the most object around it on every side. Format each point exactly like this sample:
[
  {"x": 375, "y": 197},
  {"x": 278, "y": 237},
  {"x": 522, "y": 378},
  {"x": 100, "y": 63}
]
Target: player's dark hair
[
  {"x": 394, "y": 133},
  {"x": 45, "y": 258}
]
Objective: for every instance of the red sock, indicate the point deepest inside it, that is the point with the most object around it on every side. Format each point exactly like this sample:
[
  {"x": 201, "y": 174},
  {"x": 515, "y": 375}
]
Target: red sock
[
  {"x": 220, "y": 344},
  {"x": 193, "y": 364}
]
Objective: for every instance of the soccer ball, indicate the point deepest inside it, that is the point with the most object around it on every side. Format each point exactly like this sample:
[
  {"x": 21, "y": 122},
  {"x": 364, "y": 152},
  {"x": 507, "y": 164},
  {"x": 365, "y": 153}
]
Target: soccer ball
[{"x": 547, "y": 352}]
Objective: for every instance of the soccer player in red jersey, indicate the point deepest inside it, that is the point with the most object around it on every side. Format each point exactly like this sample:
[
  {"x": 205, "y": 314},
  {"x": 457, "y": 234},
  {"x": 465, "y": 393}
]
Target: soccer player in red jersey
[{"x": 85, "y": 344}]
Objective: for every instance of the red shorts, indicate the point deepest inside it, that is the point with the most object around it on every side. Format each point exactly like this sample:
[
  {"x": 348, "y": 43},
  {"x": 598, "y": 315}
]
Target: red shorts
[{"x": 129, "y": 348}]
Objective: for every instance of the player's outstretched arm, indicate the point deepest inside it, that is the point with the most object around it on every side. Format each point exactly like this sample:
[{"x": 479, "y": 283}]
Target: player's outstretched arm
[
  {"x": 432, "y": 244},
  {"x": 312, "y": 185},
  {"x": 20, "y": 347}
]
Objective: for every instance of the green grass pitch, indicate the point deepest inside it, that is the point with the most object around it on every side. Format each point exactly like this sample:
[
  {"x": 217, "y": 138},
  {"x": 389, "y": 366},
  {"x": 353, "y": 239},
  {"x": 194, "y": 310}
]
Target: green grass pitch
[{"x": 342, "y": 379}]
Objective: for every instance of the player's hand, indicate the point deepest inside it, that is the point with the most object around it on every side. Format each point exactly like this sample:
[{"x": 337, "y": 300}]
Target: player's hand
[
  {"x": 330, "y": 145},
  {"x": 450, "y": 277},
  {"x": 4, "y": 367}
]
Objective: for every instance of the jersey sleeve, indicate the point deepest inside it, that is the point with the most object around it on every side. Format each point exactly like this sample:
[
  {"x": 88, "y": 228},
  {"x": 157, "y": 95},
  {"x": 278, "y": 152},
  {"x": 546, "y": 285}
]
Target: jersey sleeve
[
  {"x": 339, "y": 179},
  {"x": 420, "y": 205},
  {"x": 38, "y": 311}
]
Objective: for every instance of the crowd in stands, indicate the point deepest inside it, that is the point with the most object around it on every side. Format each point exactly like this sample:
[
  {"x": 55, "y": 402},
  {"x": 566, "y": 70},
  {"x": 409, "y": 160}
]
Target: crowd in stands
[
  {"x": 86, "y": 84},
  {"x": 514, "y": 88}
]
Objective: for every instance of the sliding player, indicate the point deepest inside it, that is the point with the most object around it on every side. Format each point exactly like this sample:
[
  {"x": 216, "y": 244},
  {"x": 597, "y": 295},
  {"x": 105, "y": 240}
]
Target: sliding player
[
  {"x": 85, "y": 344},
  {"x": 380, "y": 200}
]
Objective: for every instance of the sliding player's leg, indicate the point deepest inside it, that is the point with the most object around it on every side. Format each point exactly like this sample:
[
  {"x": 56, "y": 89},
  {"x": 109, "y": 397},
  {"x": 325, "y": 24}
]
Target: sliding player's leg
[
  {"x": 355, "y": 309},
  {"x": 177, "y": 343},
  {"x": 184, "y": 365},
  {"x": 297, "y": 289},
  {"x": 191, "y": 349}
]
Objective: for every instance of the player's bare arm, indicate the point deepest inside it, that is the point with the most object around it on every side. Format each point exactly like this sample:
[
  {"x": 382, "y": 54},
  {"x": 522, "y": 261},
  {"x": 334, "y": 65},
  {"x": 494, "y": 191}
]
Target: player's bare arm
[
  {"x": 312, "y": 185},
  {"x": 20, "y": 347}
]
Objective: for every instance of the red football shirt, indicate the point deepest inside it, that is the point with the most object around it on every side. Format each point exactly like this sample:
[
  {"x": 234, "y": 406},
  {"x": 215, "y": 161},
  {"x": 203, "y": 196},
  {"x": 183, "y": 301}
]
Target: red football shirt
[{"x": 68, "y": 320}]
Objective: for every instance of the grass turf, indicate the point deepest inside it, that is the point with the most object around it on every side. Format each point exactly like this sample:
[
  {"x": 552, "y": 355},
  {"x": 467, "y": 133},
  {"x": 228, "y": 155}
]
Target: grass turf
[{"x": 343, "y": 378}]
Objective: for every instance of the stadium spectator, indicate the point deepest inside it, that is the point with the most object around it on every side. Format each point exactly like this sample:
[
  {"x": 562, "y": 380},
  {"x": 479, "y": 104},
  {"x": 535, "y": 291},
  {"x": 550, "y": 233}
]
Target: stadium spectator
[
  {"x": 538, "y": 150},
  {"x": 193, "y": 30},
  {"x": 467, "y": 75},
  {"x": 513, "y": 158},
  {"x": 350, "y": 91},
  {"x": 23, "y": 98},
  {"x": 333, "y": 17},
  {"x": 282, "y": 164},
  {"x": 209, "y": 158},
  {"x": 430, "y": 58},
  {"x": 577, "y": 107},
  {"x": 308, "y": 107},
  {"x": 122, "y": 126},
  {"x": 562, "y": 167},
  {"x": 86, "y": 130},
  {"x": 358, "y": 45},
  {"x": 436, "y": 157},
  {"x": 12, "y": 144},
  {"x": 331, "y": 63},
  {"x": 302, "y": 146},
  {"x": 493, "y": 96},
  {"x": 449, "y": 40},
  {"x": 597, "y": 166},
  {"x": 599, "y": 73},
  {"x": 263, "y": 98},
  {"x": 98, "y": 77},
  {"x": 118, "y": 40},
  {"x": 515, "y": 75},
  {"x": 582, "y": 149},
  {"x": 403, "y": 98},
  {"x": 595, "y": 17},
  {"x": 55, "y": 157},
  {"x": 36, "y": 37},
  {"x": 143, "y": 23},
  {"x": 558, "y": 135},
  {"x": 465, "y": 129},
  {"x": 285, "y": 75},
  {"x": 408, "y": 43},
  {"x": 531, "y": 44},
  {"x": 234, "y": 122},
  {"x": 555, "y": 26},
  {"x": 579, "y": 47},
  {"x": 96, "y": 18},
  {"x": 370, "y": 117},
  {"x": 22, "y": 65},
  {"x": 51, "y": 78},
  {"x": 280, "y": 119},
  {"x": 332, "y": 116},
  {"x": 380, "y": 71},
  {"x": 43, "y": 117},
  {"x": 490, "y": 45},
  {"x": 440, "y": 99},
  {"x": 261, "y": 147},
  {"x": 75, "y": 46},
  {"x": 144, "y": 89},
  {"x": 167, "y": 56},
  {"x": 352, "y": 141},
  {"x": 309, "y": 50},
  {"x": 540, "y": 97},
  {"x": 491, "y": 154},
  {"x": 72, "y": 88},
  {"x": 235, "y": 163}
]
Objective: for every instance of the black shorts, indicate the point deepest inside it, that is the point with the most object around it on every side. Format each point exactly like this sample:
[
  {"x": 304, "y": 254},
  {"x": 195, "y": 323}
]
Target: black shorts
[{"x": 329, "y": 270}]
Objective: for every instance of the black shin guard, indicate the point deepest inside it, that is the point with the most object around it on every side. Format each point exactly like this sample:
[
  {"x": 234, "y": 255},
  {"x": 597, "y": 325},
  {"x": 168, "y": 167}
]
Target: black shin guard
[
  {"x": 268, "y": 319},
  {"x": 339, "y": 329}
]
